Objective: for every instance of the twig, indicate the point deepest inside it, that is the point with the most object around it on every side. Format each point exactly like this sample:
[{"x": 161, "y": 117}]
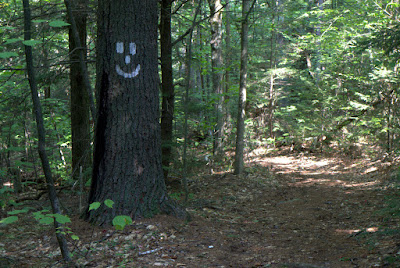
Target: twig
[{"x": 150, "y": 251}]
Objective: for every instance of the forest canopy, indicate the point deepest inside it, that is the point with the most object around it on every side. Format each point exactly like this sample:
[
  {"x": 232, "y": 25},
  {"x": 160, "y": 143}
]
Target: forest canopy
[{"x": 214, "y": 81}]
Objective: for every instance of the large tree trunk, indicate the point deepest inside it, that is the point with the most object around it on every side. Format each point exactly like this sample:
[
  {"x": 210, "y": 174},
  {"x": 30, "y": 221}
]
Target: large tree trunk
[
  {"x": 167, "y": 87},
  {"x": 127, "y": 158},
  {"x": 80, "y": 117},
  {"x": 239, "y": 157},
  {"x": 217, "y": 72}
]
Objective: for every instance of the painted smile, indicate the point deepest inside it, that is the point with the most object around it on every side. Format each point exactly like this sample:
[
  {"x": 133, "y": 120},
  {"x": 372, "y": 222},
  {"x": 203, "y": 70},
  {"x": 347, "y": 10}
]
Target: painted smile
[{"x": 132, "y": 51}]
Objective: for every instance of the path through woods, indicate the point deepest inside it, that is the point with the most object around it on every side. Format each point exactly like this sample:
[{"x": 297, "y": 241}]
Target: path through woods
[{"x": 287, "y": 211}]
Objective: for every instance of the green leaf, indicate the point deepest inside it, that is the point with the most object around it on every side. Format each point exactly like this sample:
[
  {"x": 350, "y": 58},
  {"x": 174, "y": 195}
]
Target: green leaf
[
  {"x": 94, "y": 205},
  {"x": 7, "y": 28},
  {"x": 13, "y": 40},
  {"x": 6, "y": 55},
  {"x": 120, "y": 222},
  {"x": 18, "y": 211},
  {"x": 9, "y": 220},
  {"x": 46, "y": 220},
  {"x": 75, "y": 237},
  {"x": 58, "y": 23},
  {"x": 61, "y": 218},
  {"x": 38, "y": 21},
  {"x": 31, "y": 43},
  {"x": 109, "y": 203}
]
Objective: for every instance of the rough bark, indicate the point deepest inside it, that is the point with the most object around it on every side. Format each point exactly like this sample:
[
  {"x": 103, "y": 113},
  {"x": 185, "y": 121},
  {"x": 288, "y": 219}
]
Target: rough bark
[
  {"x": 217, "y": 73},
  {"x": 127, "y": 155},
  {"x": 167, "y": 87},
  {"x": 82, "y": 63},
  {"x": 41, "y": 134},
  {"x": 239, "y": 158},
  {"x": 80, "y": 116}
]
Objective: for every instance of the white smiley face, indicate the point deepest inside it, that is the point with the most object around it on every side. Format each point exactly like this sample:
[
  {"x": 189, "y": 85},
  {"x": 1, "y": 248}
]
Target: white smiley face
[{"x": 132, "y": 52}]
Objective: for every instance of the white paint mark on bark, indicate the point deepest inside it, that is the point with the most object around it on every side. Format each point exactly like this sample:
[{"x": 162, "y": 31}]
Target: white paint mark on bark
[
  {"x": 128, "y": 75},
  {"x": 120, "y": 47},
  {"x": 132, "y": 51},
  {"x": 132, "y": 48}
]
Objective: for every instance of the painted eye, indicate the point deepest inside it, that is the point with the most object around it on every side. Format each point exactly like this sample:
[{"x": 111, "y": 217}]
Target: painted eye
[
  {"x": 120, "y": 47},
  {"x": 132, "y": 48}
]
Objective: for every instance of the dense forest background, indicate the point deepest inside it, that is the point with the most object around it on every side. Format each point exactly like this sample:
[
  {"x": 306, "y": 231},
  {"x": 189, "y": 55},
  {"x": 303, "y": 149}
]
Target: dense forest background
[
  {"x": 320, "y": 73},
  {"x": 301, "y": 77}
]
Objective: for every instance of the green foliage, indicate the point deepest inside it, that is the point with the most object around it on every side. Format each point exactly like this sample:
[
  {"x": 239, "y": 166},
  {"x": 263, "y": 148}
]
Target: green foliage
[
  {"x": 180, "y": 195},
  {"x": 58, "y": 23},
  {"x": 5, "y": 55},
  {"x": 311, "y": 70},
  {"x": 109, "y": 203},
  {"x": 5, "y": 194},
  {"x": 19, "y": 211},
  {"x": 74, "y": 237},
  {"x": 94, "y": 206},
  {"x": 392, "y": 210},
  {"x": 43, "y": 217},
  {"x": 9, "y": 220},
  {"x": 31, "y": 43},
  {"x": 48, "y": 218},
  {"x": 119, "y": 222}
]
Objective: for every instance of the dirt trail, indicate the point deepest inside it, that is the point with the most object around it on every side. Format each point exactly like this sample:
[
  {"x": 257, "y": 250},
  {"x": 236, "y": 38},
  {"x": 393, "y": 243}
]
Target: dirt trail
[{"x": 287, "y": 211}]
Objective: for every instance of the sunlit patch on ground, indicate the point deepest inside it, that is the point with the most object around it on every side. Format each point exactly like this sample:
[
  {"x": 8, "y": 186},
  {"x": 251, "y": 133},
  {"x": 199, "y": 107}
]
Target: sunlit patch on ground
[{"x": 357, "y": 231}]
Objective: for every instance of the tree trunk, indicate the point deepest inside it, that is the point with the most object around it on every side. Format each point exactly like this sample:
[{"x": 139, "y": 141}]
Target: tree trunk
[
  {"x": 127, "y": 155},
  {"x": 80, "y": 52},
  {"x": 272, "y": 67},
  {"x": 41, "y": 134},
  {"x": 228, "y": 57},
  {"x": 80, "y": 116},
  {"x": 167, "y": 87},
  {"x": 239, "y": 158},
  {"x": 217, "y": 72}
]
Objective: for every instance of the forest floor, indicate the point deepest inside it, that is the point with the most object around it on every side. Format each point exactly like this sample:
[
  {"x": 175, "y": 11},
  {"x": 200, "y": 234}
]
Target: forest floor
[{"x": 288, "y": 210}]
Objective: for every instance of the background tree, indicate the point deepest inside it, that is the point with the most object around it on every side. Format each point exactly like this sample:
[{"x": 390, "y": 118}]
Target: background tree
[
  {"x": 239, "y": 161},
  {"x": 55, "y": 204},
  {"x": 356, "y": 99},
  {"x": 127, "y": 155},
  {"x": 167, "y": 86},
  {"x": 217, "y": 72},
  {"x": 80, "y": 117}
]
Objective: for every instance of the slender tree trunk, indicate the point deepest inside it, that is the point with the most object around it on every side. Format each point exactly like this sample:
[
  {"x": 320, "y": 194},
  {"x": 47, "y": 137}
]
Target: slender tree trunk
[
  {"x": 82, "y": 64},
  {"x": 217, "y": 72},
  {"x": 319, "y": 66},
  {"x": 46, "y": 67},
  {"x": 41, "y": 134},
  {"x": 239, "y": 157},
  {"x": 318, "y": 33},
  {"x": 188, "y": 85},
  {"x": 127, "y": 164},
  {"x": 228, "y": 57},
  {"x": 80, "y": 116},
  {"x": 167, "y": 87},
  {"x": 272, "y": 66}
]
